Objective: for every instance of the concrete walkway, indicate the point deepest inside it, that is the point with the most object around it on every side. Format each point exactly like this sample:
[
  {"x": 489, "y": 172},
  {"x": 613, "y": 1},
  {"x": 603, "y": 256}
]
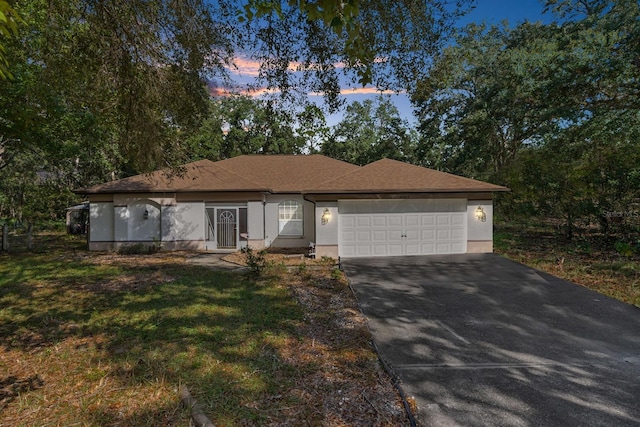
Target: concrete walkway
[
  {"x": 215, "y": 262},
  {"x": 479, "y": 340}
]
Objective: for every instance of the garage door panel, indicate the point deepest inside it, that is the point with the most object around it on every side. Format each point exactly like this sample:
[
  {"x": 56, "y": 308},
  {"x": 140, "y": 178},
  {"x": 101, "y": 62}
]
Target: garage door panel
[
  {"x": 428, "y": 234},
  {"x": 348, "y": 236},
  {"x": 457, "y": 233},
  {"x": 395, "y": 220},
  {"x": 412, "y": 235},
  {"x": 363, "y": 221},
  {"x": 380, "y": 250},
  {"x": 443, "y": 220},
  {"x": 428, "y": 249},
  {"x": 363, "y": 250},
  {"x": 443, "y": 248},
  {"x": 379, "y": 221},
  {"x": 428, "y": 220},
  {"x": 392, "y": 233},
  {"x": 412, "y": 220},
  {"x": 443, "y": 234},
  {"x": 363, "y": 236},
  {"x": 348, "y": 221},
  {"x": 380, "y": 235},
  {"x": 458, "y": 247},
  {"x": 413, "y": 249},
  {"x": 395, "y": 250}
]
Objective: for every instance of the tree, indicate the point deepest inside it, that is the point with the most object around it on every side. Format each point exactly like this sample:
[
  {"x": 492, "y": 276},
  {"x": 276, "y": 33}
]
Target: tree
[
  {"x": 386, "y": 43},
  {"x": 487, "y": 97},
  {"x": 544, "y": 109},
  {"x": 371, "y": 131},
  {"x": 239, "y": 125},
  {"x": 9, "y": 20}
]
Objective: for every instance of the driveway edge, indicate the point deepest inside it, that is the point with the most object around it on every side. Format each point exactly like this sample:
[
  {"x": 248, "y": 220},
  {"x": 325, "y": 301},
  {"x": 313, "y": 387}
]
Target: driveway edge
[{"x": 388, "y": 369}]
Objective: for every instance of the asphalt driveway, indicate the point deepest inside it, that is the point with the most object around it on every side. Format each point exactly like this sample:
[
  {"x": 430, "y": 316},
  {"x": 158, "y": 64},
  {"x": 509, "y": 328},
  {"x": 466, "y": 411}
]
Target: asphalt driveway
[{"x": 481, "y": 340}]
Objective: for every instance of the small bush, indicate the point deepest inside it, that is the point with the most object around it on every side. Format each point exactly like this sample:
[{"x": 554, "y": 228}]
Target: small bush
[
  {"x": 256, "y": 261},
  {"x": 624, "y": 249}
]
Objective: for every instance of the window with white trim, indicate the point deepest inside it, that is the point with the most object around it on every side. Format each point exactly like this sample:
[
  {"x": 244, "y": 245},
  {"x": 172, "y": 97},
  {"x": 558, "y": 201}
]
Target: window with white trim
[{"x": 290, "y": 218}]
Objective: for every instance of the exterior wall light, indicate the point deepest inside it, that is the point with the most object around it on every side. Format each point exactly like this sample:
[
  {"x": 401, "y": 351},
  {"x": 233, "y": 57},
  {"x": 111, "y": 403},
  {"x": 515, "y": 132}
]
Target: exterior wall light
[
  {"x": 326, "y": 216},
  {"x": 480, "y": 214},
  {"x": 146, "y": 214}
]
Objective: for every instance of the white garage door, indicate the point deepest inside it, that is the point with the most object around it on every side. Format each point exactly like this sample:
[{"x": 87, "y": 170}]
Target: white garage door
[{"x": 402, "y": 227}]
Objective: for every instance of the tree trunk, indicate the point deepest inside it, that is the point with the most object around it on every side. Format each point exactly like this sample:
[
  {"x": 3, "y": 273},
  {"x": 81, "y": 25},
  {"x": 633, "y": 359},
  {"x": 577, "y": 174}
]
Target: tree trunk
[
  {"x": 5, "y": 237},
  {"x": 29, "y": 237}
]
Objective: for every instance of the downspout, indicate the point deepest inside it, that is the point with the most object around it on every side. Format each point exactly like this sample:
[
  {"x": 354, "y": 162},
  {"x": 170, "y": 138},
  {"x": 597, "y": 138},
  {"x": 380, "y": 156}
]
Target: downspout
[
  {"x": 264, "y": 219},
  {"x": 315, "y": 235}
]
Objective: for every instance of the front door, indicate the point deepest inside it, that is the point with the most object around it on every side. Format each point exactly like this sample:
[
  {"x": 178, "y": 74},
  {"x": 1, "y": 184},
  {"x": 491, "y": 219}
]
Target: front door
[
  {"x": 226, "y": 228},
  {"x": 222, "y": 228}
]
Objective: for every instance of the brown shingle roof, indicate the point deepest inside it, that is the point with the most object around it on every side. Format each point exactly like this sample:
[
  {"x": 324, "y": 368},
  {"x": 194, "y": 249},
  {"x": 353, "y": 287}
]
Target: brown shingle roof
[
  {"x": 278, "y": 174},
  {"x": 286, "y": 173},
  {"x": 203, "y": 175},
  {"x": 392, "y": 176},
  {"x": 295, "y": 174}
]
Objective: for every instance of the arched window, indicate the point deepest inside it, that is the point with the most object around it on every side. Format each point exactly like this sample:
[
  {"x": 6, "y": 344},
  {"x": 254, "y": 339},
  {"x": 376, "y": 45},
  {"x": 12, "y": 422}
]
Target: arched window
[{"x": 290, "y": 215}]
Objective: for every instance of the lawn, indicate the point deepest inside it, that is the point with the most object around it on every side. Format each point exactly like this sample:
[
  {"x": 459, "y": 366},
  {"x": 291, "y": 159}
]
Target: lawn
[
  {"x": 102, "y": 339},
  {"x": 589, "y": 259}
]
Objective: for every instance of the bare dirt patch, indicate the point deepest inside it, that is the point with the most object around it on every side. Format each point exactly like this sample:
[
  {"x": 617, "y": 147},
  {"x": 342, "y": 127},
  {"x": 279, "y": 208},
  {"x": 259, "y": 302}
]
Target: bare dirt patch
[
  {"x": 283, "y": 256},
  {"x": 349, "y": 386}
]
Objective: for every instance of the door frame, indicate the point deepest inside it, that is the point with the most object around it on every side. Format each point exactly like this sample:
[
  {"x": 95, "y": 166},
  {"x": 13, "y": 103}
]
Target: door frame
[{"x": 211, "y": 242}]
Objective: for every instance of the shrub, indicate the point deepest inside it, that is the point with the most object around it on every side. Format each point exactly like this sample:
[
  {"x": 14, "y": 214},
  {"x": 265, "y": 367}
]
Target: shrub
[{"x": 255, "y": 260}]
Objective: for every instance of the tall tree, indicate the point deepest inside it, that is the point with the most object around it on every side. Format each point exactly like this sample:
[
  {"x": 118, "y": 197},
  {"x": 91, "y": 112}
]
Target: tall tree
[
  {"x": 544, "y": 109},
  {"x": 9, "y": 20},
  {"x": 239, "y": 124},
  {"x": 371, "y": 131}
]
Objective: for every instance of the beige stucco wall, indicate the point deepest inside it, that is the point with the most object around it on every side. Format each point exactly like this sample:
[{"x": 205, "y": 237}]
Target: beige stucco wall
[
  {"x": 101, "y": 222},
  {"x": 183, "y": 222},
  {"x": 330, "y": 251},
  {"x": 255, "y": 222},
  {"x": 327, "y": 234},
  {"x": 479, "y": 246},
  {"x": 479, "y": 233}
]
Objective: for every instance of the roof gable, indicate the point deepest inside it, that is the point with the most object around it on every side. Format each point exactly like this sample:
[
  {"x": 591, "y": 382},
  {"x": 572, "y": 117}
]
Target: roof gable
[{"x": 390, "y": 176}]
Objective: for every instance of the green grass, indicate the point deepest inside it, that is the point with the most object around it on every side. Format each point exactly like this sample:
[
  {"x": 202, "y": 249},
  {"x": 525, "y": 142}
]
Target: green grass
[{"x": 108, "y": 348}]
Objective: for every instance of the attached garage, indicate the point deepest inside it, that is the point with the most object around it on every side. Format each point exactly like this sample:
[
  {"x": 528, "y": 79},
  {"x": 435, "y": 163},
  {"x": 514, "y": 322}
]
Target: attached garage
[{"x": 402, "y": 227}]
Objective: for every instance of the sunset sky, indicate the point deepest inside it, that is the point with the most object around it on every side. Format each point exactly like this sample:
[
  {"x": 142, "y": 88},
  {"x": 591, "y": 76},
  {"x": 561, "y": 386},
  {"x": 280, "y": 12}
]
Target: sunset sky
[{"x": 490, "y": 11}]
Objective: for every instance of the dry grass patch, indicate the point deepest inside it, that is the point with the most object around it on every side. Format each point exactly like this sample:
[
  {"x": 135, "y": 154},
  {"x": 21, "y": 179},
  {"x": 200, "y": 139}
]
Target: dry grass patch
[
  {"x": 589, "y": 260},
  {"x": 103, "y": 339}
]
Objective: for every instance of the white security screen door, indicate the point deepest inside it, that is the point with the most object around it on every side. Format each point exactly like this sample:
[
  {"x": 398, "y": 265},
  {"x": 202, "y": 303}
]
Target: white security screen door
[{"x": 226, "y": 228}]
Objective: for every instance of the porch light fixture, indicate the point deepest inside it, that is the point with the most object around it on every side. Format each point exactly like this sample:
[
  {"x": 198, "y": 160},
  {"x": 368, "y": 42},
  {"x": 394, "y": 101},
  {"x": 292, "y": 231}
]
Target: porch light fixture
[
  {"x": 146, "y": 214},
  {"x": 326, "y": 216},
  {"x": 480, "y": 214}
]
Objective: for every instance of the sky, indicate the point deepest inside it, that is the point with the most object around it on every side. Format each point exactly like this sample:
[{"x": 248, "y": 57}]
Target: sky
[{"x": 489, "y": 11}]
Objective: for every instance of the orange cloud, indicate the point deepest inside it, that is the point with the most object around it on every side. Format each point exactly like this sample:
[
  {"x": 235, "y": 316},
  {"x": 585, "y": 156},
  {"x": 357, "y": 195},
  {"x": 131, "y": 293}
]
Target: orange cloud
[
  {"x": 246, "y": 67},
  {"x": 370, "y": 90}
]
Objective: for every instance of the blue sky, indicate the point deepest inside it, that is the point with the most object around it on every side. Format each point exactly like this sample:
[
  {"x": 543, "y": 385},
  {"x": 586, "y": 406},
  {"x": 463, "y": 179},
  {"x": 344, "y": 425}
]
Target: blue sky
[
  {"x": 489, "y": 11},
  {"x": 515, "y": 11}
]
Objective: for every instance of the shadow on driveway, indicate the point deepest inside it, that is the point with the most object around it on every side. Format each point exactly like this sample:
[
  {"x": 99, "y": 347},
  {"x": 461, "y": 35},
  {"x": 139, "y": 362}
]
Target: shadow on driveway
[{"x": 481, "y": 340}]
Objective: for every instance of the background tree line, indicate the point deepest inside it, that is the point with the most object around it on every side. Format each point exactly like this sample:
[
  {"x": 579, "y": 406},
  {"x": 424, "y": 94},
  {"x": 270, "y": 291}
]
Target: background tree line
[
  {"x": 106, "y": 89},
  {"x": 101, "y": 89}
]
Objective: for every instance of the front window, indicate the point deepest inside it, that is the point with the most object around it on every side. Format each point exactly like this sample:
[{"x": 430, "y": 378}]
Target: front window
[{"x": 290, "y": 218}]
